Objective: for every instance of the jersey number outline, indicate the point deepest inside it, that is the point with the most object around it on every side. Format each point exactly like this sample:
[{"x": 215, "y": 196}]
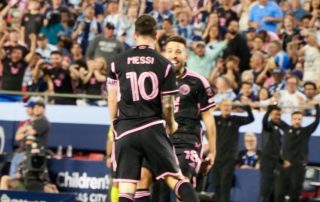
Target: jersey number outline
[{"x": 138, "y": 85}]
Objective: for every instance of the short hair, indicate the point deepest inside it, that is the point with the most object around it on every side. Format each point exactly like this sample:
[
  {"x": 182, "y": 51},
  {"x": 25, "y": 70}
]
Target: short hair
[
  {"x": 293, "y": 76},
  {"x": 247, "y": 83},
  {"x": 146, "y": 25},
  {"x": 250, "y": 134},
  {"x": 275, "y": 108},
  {"x": 176, "y": 38},
  {"x": 168, "y": 20},
  {"x": 310, "y": 83},
  {"x": 56, "y": 53},
  {"x": 296, "y": 112},
  {"x": 233, "y": 58}
]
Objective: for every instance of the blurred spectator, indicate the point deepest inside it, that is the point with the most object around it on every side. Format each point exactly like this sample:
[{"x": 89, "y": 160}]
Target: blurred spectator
[
  {"x": 258, "y": 68},
  {"x": 184, "y": 27},
  {"x": 226, "y": 14},
  {"x": 44, "y": 48},
  {"x": 315, "y": 11},
  {"x": 290, "y": 98},
  {"x": 310, "y": 91},
  {"x": 247, "y": 76},
  {"x": 265, "y": 15},
  {"x": 163, "y": 34},
  {"x": 201, "y": 61},
  {"x": 250, "y": 157},
  {"x": 15, "y": 64},
  {"x": 67, "y": 23},
  {"x": 238, "y": 45},
  {"x": 289, "y": 32},
  {"x": 212, "y": 38},
  {"x": 94, "y": 78},
  {"x": 163, "y": 11},
  {"x": 257, "y": 45},
  {"x": 34, "y": 82},
  {"x": 277, "y": 82},
  {"x": 227, "y": 126},
  {"x": 297, "y": 11},
  {"x": 52, "y": 27},
  {"x": 311, "y": 53},
  {"x": 14, "y": 41},
  {"x": 127, "y": 26},
  {"x": 224, "y": 90},
  {"x": 243, "y": 11},
  {"x": 104, "y": 45},
  {"x": 31, "y": 21},
  {"x": 59, "y": 79},
  {"x": 246, "y": 95},
  {"x": 54, "y": 6},
  {"x": 86, "y": 28},
  {"x": 229, "y": 69},
  {"x": 281, "y": 58},
  {"x": 113, "y": 15}
]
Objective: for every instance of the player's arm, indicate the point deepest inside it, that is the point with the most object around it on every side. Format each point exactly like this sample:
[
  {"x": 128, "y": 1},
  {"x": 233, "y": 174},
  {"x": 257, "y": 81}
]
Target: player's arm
[
  {"x": 168, "y": 113},
  {"x": 209, "y": 122},
  {"x": 112, "y": 103},
  {"x": 109, "y": 145}
]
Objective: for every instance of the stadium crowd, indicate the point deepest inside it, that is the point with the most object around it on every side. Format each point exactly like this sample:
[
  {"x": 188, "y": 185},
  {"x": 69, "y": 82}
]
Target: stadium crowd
[{"x": 255, "y": 53}]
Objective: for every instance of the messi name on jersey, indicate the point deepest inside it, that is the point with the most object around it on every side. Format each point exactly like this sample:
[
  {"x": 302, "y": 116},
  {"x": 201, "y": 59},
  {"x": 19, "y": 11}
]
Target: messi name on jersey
[{"x": 137, "y": 60}]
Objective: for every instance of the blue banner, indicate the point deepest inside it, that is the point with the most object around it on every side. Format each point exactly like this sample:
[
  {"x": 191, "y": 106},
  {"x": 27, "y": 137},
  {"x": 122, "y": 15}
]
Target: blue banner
[
  {"x": 23, "y": 196},
  {"x": 90, "y": 180}
]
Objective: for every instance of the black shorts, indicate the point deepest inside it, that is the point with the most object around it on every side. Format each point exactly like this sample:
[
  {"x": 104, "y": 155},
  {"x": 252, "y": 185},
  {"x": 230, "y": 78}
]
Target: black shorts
[
  {"x": 151, "y": 143},
  {"x": 189, "y": 161}
]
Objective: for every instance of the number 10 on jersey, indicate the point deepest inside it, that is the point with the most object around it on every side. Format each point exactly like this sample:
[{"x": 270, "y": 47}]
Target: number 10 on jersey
[{"x": 138, "y": 85}]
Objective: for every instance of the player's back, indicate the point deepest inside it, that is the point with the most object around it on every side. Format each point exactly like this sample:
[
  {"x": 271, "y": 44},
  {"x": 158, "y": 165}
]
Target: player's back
[{"x": 143, "y": 76}]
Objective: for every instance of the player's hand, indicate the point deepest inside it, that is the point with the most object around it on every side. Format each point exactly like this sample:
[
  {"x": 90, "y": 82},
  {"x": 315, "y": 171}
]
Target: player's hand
[
  {"x": 286, "y": 164},
  {"x": 109, "y": 162},
  {"x": 173, "y": 128},
  {"x": 210, "y": 159}
]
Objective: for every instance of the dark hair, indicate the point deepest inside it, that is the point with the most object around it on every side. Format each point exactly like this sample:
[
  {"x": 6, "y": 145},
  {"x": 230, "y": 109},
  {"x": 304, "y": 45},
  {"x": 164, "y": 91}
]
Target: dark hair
[
  {"x": 207, "y": 37},
  {"x": 146, "y": 25},
  {"x": 56, "y": 53},
  {"x": 275, "y": 108},
  {"x": 310, "y": 83},
  {"x": 177, "y": 39},
  {"x": 168, "y": 20},
  {"x": 297, "y": 112}
]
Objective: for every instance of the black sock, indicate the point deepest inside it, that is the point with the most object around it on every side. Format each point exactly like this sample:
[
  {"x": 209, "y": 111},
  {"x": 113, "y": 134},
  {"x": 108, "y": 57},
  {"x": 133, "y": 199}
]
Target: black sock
[
  {"x": 142, "y": 195},
  {"x": 186, "y": 192},
  {"x": 126, "y": 198}
]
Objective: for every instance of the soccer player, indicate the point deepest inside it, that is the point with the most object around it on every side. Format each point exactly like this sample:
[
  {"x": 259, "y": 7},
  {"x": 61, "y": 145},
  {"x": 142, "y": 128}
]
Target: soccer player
[
  {"x": 141, "y": 88},
  {"x": 193, "y": 103}
]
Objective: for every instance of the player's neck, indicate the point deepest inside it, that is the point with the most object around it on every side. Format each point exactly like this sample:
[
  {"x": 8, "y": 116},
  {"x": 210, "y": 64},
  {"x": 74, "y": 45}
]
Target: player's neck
[
  {"x": 145, "y": 41},
  {"x": 181, "y": 72}
]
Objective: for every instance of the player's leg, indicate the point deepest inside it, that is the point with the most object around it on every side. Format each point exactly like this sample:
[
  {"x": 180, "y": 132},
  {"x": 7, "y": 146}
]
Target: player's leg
[
  {"x": 159, "y": 153},
  {"x": 128, "y": 161},
  {"x": 142, "y": 194}
]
